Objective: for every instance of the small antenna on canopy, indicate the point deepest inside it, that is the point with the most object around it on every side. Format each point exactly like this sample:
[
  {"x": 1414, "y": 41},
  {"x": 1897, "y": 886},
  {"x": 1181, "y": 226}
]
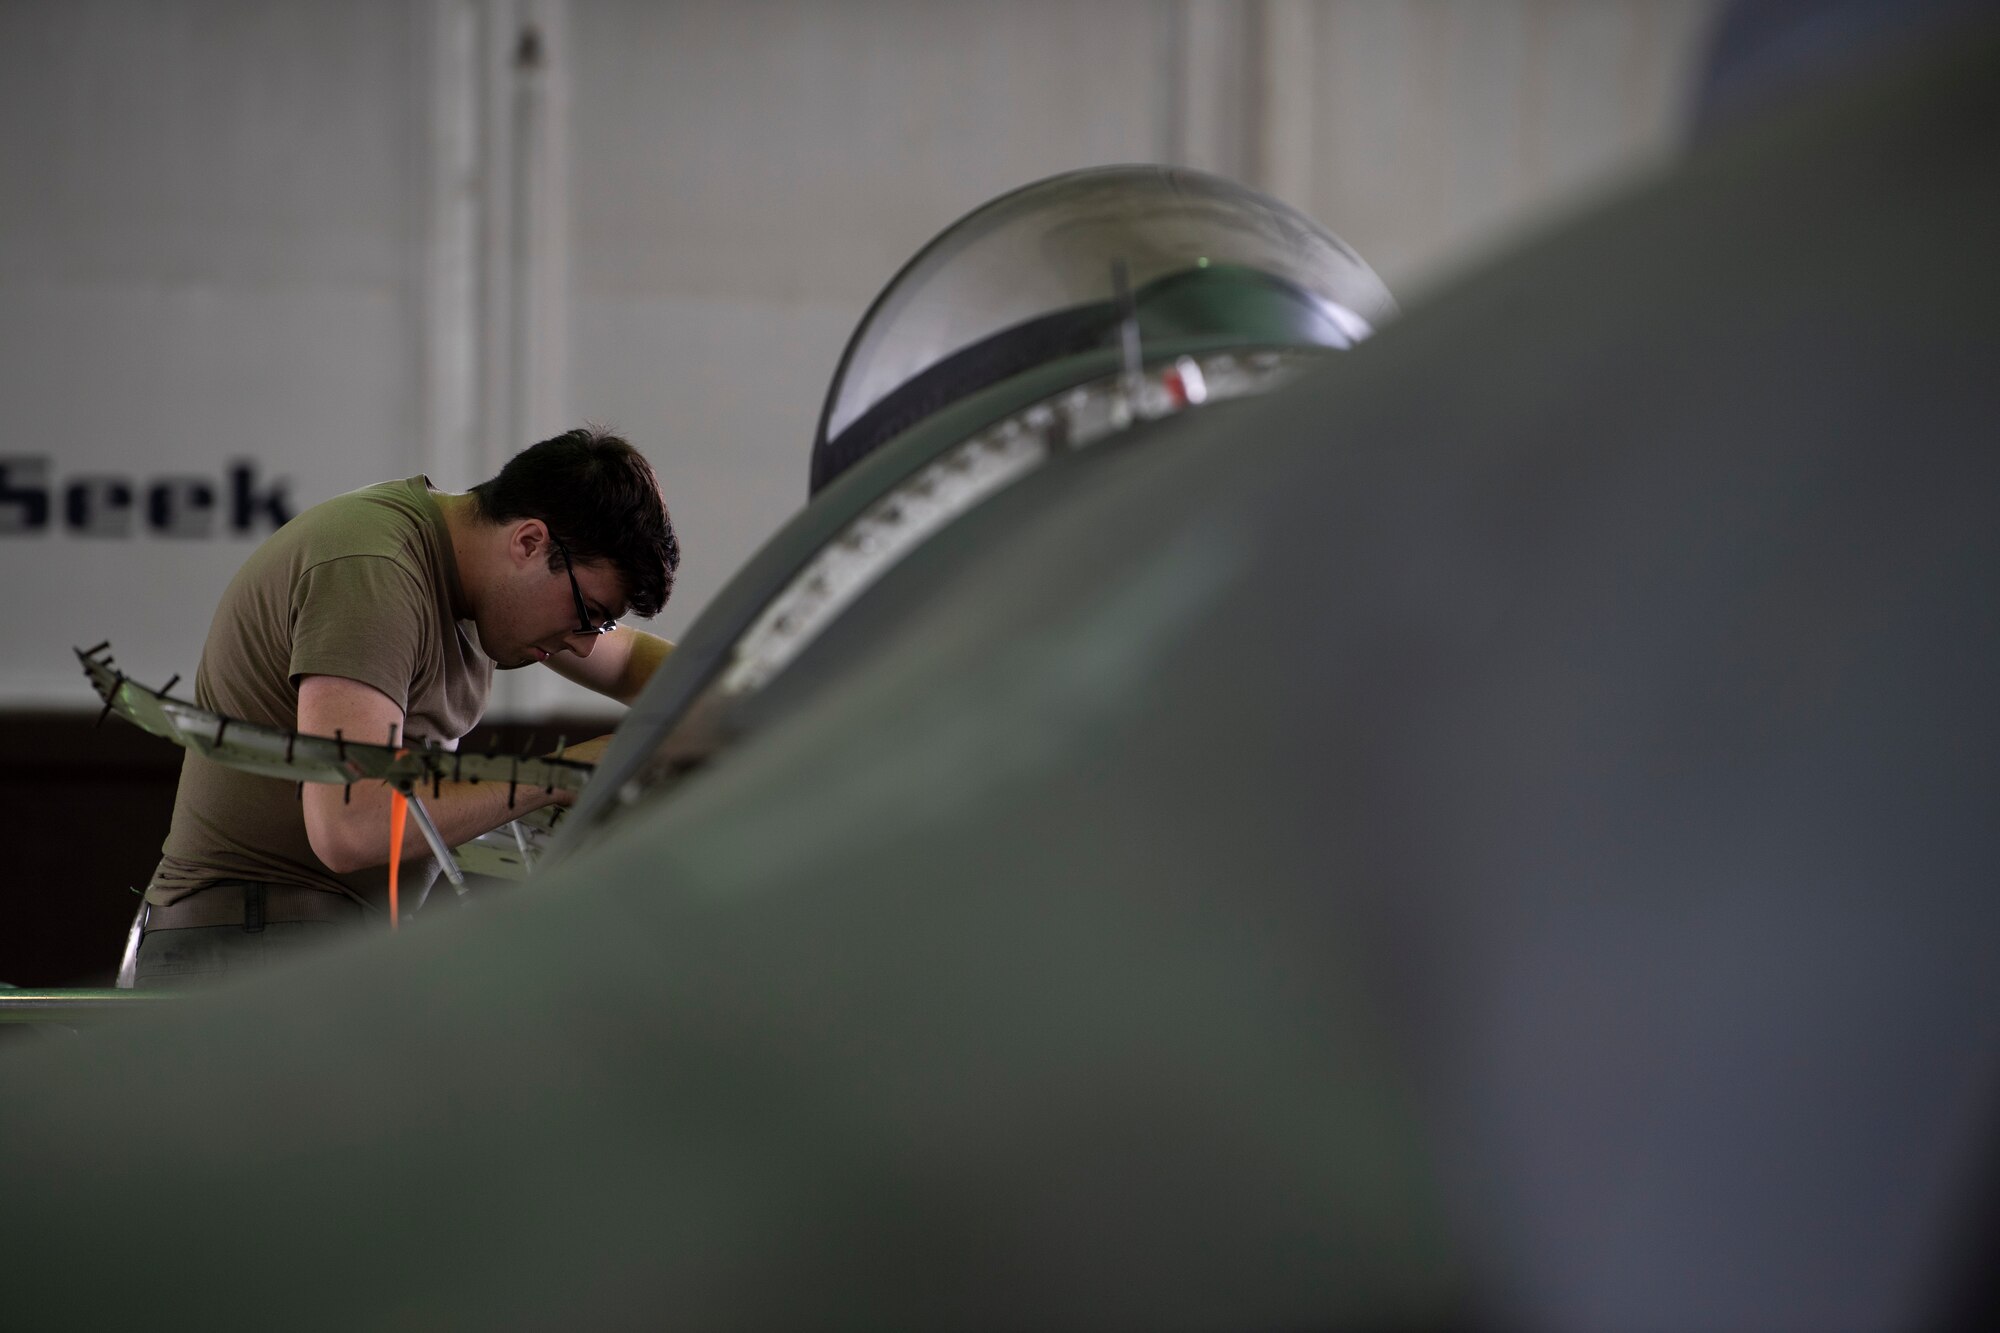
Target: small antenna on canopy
[{"x": 1128, "y": 318}]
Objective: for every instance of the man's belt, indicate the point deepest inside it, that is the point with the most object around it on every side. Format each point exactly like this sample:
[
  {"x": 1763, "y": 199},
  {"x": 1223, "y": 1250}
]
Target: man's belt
[{"x": 235, "y": 902}]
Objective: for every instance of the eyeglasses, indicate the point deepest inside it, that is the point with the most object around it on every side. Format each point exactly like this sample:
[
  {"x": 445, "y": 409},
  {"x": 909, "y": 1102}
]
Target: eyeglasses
[{"x": 584, "y": 625}]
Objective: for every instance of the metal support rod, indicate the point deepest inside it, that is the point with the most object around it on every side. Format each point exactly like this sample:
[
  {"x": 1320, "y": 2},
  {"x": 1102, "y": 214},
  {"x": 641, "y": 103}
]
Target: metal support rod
[
  {"x": 128, "y": 965},
  {"x": 436, "y": 840}
]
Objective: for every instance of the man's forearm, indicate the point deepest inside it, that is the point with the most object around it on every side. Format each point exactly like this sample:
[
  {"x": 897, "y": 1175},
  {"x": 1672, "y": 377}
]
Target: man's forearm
[
  {"x": 648, "y": 652},
  {"x": 357, "y": 828},
  {"x": 619, "y": 664}
]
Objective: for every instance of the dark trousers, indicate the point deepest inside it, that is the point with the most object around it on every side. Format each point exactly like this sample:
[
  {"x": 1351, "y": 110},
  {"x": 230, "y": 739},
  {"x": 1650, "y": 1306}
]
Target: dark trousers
[
  {"x": 183, "y": 955},
  {"x": 202, "y": 955}
]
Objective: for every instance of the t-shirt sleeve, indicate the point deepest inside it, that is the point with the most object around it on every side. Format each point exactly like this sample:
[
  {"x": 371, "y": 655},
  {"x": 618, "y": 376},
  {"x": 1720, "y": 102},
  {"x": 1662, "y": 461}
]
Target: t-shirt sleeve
[{"x": 364, "y": 617}]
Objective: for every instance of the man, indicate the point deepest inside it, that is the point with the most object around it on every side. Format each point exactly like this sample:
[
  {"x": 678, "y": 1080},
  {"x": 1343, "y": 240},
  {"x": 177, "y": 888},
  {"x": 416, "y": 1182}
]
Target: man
[{"x": 381, "y": 615}]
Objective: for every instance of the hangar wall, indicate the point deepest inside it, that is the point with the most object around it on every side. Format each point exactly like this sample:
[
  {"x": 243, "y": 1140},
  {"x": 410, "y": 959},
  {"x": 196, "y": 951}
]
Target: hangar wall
[
  {"x": 207, "y": 261},
  {"x": 253, "y": 255}
]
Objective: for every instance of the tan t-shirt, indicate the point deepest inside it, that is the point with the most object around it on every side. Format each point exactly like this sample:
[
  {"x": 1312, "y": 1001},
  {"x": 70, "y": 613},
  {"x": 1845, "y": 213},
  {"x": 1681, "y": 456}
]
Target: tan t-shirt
[{"x": 363, "y": 586}]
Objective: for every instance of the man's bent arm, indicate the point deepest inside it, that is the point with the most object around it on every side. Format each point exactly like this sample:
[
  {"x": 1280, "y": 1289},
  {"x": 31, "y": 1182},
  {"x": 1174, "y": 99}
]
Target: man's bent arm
[
  {"x": 350, "y": 833},
  {"x": 619, "y": 665}
]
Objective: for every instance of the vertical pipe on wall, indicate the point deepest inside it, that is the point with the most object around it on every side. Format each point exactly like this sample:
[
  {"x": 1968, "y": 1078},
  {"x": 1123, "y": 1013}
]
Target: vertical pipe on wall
[
  {"x": 510, "y": 242},
  {"x": 1214, "y": 79},
  {"x": 1169, "y": 59},
  {"x": 1237, "y": 91},
  {"x": 498, "y": 263},
  {"x": 1281, "y": 103},
  {"x": 537, "y": 370},
  {"x": 450, "y": 374},
  {"x": 525, "y": 147},
  {"x": 541, "y": 211}
]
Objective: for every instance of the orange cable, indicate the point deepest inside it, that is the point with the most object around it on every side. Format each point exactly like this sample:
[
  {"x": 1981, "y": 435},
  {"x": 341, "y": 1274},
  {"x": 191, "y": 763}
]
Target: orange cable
[{"x": 398, "y": 808}]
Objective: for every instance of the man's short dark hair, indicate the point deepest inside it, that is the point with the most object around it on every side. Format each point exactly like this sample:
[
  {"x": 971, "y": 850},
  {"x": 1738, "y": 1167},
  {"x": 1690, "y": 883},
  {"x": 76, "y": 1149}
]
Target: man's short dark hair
[{"x": 599, "y": 496}]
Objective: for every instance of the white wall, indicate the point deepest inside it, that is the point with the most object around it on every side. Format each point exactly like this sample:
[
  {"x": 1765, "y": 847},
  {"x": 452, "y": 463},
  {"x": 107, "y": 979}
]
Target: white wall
[
  {"x": 1440, "y": 129},
  {"x": 206, "y": 253},
  {"x": 352, "y": 240}
]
